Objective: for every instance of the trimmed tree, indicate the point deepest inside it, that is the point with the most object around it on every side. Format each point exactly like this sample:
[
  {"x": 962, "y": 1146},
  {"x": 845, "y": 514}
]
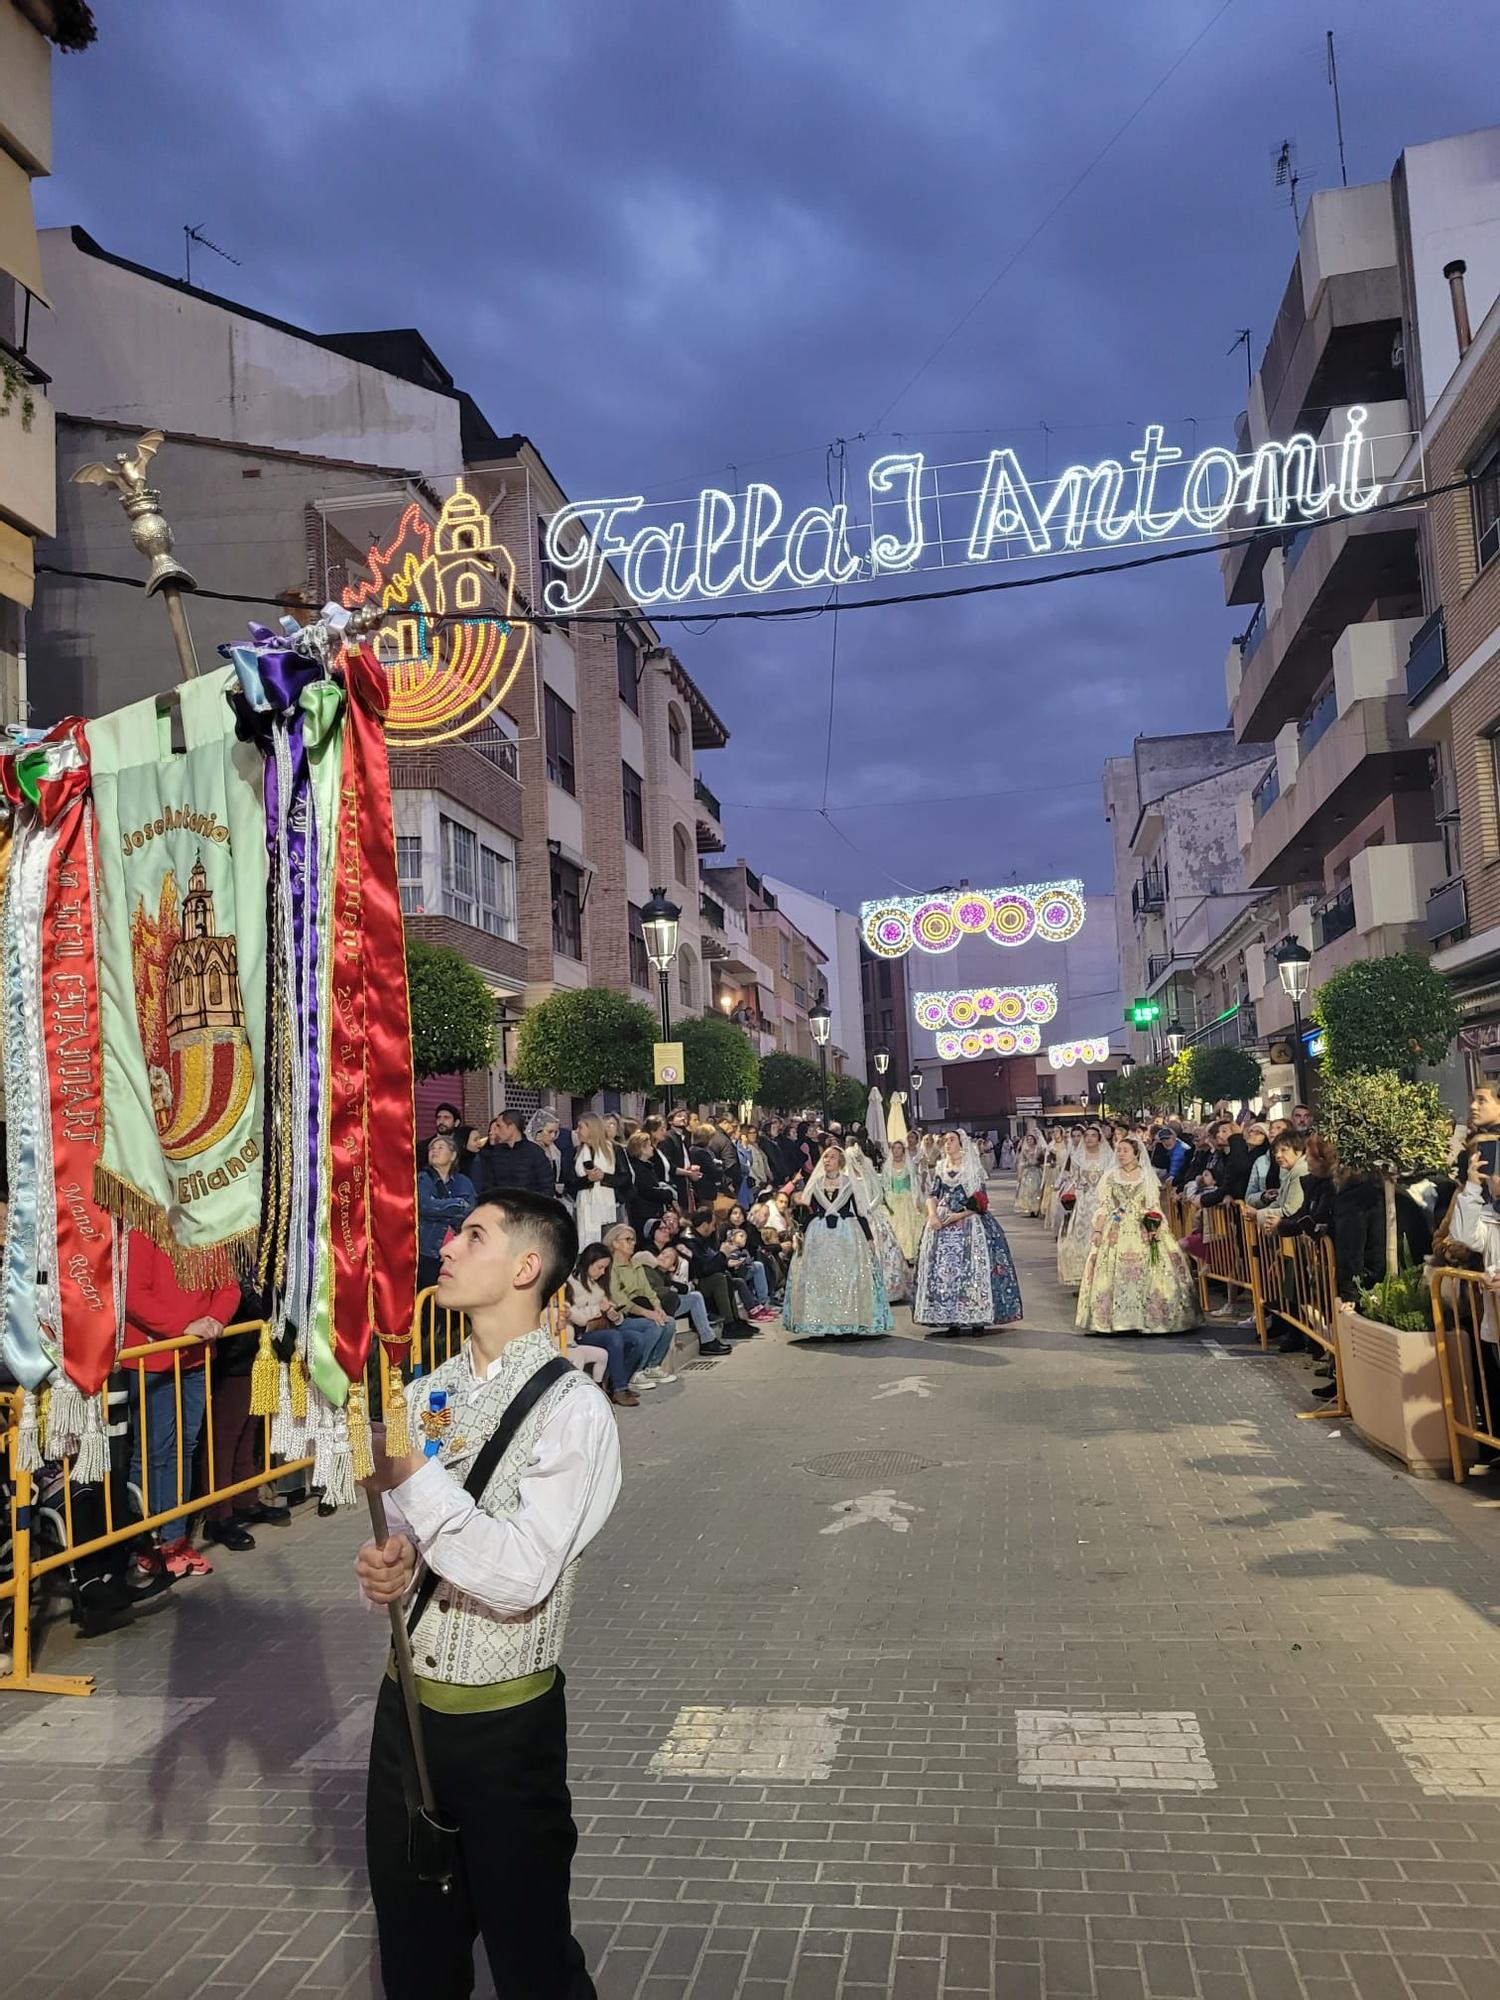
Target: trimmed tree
[
  {"x": 1147, "y": 1088},
  {"x": 788, "y": 1083},
  {"x": 848, "y": 1100},
  {"x": 584, "y": 1041},
  {"x": 452, "y": 1012},
  {"x": 718, "y": 1064},
  {"x": 1385, "y": 1014},
  {"x": 1380, "y": 1124},
  {"x": 1222, "y": 1073}
]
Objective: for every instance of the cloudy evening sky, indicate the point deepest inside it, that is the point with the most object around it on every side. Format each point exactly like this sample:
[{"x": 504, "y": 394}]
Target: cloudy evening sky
[{"x": 667, "y": 240}]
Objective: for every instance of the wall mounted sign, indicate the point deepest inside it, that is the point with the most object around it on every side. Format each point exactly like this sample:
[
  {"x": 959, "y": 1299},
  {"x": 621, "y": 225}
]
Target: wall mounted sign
[
  {"x": 445, "y": 678},
  {"x": 985, "y": 1006},
  {"x": 1050, "y": 912},
  {"x": 1063, "y": 1055},
  {"x": 915, "y": 516}
]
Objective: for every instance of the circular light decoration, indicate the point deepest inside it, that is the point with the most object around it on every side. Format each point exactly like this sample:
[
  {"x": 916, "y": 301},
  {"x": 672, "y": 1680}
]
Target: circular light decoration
[
  {"x": 961, "y": 1010},
  {"x": 1063, "y": 1055},
  {"x": 887, "y": 929},
  {"x": 987, "y": 1000},
  {"x": 970, "y": 1045},
  {"x": 1012, "y": 1006},
  {"x": 1042, "y": 1004},
  {"x": 1006, "y": 1041},
  {"x": 932, "y": 1010},
  {"x": 1052, "y": 912},
  {"x": 1028, "y": 1039},
  {"x": 985, "y": 1007}
]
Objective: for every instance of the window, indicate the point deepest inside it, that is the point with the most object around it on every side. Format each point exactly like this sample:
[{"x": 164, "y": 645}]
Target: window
[
  {"x": 685, "y": 977},
  {"x": 567, "y": 909},
  {"x": 786, "y": 958},
  {"x": 640, "y": 964},
  {"x": 799, "y": 993},
  {"x": 681, "y": 856},
  {"x": 635, "y": 808},
  {"x": 460, "y": 871},
  {"x": 676, "y": 737},
  {"x": 497, "y": 893},
  {"x": 560, "y": 765},
  {"x": 1486, "y": 478},
  {"x": 409, "y": 873},
  {"x": 627, "y": 666}
]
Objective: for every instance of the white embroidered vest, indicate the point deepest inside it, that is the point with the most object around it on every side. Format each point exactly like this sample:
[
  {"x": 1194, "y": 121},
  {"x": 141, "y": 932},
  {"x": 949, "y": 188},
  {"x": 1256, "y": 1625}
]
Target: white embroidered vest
[{"x": 458, "y": 1639}]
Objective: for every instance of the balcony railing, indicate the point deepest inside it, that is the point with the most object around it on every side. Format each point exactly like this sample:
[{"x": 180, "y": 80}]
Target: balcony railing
[
  {"x": 706, "y": 799},
  {"x": 492, "y": 743},
  {"x": 1293, "y": 550},
  {"x": 1427, "y": 660},
  {"x": 1335, "y": 919},
  {"x": 1253, "y": 633},
  {"x": 1266, "y": 793},
  {"x": 1447, "y": 910},
  {"x": 711, "y": 910},
  {"x": 1150, "y": 893},
  {"x": 1156, "y": 964},
  {"x": 1317, "y": 720}
]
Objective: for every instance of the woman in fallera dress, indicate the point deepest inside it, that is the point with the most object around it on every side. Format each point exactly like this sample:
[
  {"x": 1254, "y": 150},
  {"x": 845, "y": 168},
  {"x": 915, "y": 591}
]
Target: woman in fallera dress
[
  {"x": 966, "y": 1279},
  {"x": 1091, "y": 1163},
  {"x": 1135, "y": 1278},
  {"x": 889, "y": 1255},
  {"x": 901, "y": 1200},
  {"x": 834, "y": 1289},
  {"x": 1029, "y": 1175}
]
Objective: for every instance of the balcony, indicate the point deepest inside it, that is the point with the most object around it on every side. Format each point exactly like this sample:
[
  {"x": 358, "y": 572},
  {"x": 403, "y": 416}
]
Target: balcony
[
  {"x": 1156, "y": 964},
  {"x": 1315, "y": 723},
  {"x": 1334, "y": 919},
  {"x": 1447, "y": 911},
  {"x": 1150, "y": 892},
  {"x": 709, "y": 818},
  {"x": 497, "y": 748},
  {"x": 1266, "y": 793},
  {"x": 711, "y": 911},
  {"x": 1427, "y": 662}
]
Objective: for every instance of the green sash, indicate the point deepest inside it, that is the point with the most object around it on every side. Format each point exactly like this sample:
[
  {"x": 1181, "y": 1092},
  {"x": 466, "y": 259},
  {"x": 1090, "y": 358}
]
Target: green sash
[{"x": 182, "y": 949}]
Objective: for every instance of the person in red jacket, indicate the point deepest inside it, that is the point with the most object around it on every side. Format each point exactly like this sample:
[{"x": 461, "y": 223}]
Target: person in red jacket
[{"x": 158, "y": 1307}]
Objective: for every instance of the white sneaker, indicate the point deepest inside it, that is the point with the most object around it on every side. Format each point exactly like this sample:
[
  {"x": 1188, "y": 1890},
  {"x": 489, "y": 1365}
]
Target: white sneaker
[
  {"x": 660, "y": 1375},
  {"x": 641, "y": 1381}
]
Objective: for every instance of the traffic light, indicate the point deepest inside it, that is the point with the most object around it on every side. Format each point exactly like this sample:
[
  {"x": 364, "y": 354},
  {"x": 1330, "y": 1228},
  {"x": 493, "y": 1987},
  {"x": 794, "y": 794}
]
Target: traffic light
[{"x": 1141, "y": 1013}]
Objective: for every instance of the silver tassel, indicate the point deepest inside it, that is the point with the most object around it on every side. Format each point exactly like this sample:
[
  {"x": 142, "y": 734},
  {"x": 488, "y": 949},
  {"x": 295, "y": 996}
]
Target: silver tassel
[
  {"x": 64, "y": 1419},
  {"x": 28, "y": 1439},
  {"x": 91, "y": 1466}
]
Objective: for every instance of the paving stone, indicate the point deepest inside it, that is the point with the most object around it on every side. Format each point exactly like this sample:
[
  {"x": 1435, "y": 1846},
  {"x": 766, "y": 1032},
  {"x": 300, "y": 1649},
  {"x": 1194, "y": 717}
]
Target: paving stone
[{"x": 751, "y": 1742}]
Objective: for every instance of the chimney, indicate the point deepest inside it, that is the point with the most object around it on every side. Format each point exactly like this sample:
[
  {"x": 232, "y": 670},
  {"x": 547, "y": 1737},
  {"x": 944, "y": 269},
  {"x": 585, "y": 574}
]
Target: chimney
[{"x": 1454, "y": 273}]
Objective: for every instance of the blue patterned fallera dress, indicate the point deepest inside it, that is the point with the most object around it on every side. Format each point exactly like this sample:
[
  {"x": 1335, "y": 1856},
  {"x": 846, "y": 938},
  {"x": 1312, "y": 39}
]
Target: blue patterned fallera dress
[
  {"x": 834, "y": 1289},
  {"x": 965, "y": 1273}
]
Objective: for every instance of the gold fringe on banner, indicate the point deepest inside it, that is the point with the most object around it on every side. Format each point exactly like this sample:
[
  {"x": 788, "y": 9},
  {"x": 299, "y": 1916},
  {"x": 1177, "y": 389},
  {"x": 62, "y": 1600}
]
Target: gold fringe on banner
[
  {"x": 357, "y": 1416},
  {"x": 265, "y": 1379},
  {"x": 299, "y": 1387},
  {"x": 397, "y": 1426},
  {"x": 222, "y": 1263}
]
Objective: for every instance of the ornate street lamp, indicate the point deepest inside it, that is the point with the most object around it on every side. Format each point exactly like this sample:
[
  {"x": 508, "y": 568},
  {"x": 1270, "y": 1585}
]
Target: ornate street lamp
[
  {"x": 882, "y": 1061},
  {"x": 660, "y": 919},
  {"x": 1174, "y": 1044},
  {"x": 820, "y": 1021},
  {"x": 1294, "y": 964}
]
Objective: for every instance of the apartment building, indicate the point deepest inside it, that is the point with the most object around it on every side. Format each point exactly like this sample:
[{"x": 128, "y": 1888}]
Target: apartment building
[
  {"x": 28, "y": 482},
  {"x": 1341, "y": 822},
  {"x": 887, "y": 1011},
  {"x": 1453, "y": 671},
  {"x": 784, "y": 972},
  {"x": 836, "y": 934},
  {"x": 306, "y": 467}
]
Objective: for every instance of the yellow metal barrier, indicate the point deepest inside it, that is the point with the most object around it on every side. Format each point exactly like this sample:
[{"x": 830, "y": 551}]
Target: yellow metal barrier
[
  {"x": 1229, "y": 1258},
  {"x": 1463, "y": 1307},
  {"x": 53, "y": 1498}
]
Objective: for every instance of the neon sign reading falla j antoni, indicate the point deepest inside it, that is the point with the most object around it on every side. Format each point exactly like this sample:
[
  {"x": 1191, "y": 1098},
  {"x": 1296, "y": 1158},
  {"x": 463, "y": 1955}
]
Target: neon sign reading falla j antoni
[{"x": 920, "y": 516}]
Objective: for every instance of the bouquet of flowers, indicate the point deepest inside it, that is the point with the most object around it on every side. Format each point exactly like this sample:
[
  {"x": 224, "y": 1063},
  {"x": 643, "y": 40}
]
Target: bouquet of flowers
[
  {"x": 1068, "y": 1199},
  {"x": 1151, "y": 1222},
  {"x": 978, "y": 1203}
]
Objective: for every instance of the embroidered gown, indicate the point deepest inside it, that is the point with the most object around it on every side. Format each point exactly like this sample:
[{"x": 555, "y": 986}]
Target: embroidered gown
[
  {"x": 900, "y": 1199},
  {"x": 1125, "y": 1289},
  {"x": 834, "y": 1288},
  {"x": 1077, "y": 1231},
  {"x": 965, "y": 1273},
  {"x": 1029, "y": 1183}
]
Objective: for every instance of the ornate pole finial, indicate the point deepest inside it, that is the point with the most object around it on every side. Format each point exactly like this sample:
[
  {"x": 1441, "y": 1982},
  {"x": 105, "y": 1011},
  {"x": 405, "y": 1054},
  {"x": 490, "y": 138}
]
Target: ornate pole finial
[{"x": 151, "y": 533}]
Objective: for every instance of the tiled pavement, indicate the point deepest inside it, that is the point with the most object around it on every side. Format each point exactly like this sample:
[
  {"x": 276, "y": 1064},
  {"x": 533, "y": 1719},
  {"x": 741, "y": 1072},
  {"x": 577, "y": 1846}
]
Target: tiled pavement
[{"x": 1115, "y": 1680}]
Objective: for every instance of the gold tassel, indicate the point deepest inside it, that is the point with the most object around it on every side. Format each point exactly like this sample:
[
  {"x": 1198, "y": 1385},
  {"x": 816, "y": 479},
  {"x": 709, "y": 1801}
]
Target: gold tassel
[
  {"x": 397, "y": 1426},
  {"x": 43, "y": 1409},
  {"x": 265, "y": 1381},
  {"x": 299, "y": 1387},
  {"x": 357, "y": 1417}
]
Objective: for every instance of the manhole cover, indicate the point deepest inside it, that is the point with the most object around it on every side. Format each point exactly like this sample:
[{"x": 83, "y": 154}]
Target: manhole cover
[
  {"x": 865, "y": 1464},
  {"x": 689, "y": 1367}
]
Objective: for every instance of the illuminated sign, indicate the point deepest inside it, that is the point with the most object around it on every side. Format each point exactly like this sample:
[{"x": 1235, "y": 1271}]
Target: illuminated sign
[
  {"x": 445, "y": 678},
  {"x": 919, "y": 517},
  {"x": 985, "y": 1006},
  {"x": 1022, "y": 1041},
  {"x": 1063, "y": 1055},
  {"x": 1050, "y": 912}
]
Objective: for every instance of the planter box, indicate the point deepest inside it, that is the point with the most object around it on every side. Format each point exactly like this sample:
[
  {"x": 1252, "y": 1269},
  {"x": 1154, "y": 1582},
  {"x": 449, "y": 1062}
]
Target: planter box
[{"x": 1395, "y": 1393}]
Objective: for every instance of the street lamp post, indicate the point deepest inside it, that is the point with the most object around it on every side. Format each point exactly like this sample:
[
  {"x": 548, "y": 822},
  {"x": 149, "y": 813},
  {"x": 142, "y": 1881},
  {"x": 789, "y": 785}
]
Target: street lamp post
[
  {"x": 917, "y": 1080},
  {"x": 882, "y": 1061},
  {"x": 1294, "y": 963},
  {"x": 1174, "y": 1045},
  {"x": 659, "y": 923},
  {"x": 820, "y": 1021}
]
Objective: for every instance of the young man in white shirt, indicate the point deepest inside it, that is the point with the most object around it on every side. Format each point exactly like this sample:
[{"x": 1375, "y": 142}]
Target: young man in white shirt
[{"x": 497, "y": 1574}]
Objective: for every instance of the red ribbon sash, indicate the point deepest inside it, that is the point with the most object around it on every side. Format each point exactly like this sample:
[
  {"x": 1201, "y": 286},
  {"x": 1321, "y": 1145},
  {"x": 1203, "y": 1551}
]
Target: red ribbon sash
[
  {"x": 70, "y": 1034},
  {"x": 372, "y": 1110}
]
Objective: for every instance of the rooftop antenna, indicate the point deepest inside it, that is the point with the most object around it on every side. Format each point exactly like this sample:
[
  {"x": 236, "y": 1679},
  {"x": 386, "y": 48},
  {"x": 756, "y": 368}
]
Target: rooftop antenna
[
  {"x": 1338, "y": 110},
  {"x": 193, "y": 233},
  {"x": 1242, "y": 339},
  {"x": 1287, "y": 177}
]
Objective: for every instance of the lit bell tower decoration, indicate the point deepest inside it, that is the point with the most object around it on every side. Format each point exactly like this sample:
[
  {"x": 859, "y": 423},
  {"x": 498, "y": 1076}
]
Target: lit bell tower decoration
[{"x": 447, "y": 641}]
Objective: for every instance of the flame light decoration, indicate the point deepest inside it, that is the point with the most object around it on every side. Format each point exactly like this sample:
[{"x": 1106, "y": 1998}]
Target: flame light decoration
[
  {"x": 1063, "y": 1055},
  {"x": 1050, "y": 912}
]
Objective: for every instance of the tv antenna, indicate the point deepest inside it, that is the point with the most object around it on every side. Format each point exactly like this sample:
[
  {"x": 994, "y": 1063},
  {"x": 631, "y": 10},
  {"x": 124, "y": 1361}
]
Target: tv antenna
[
  {"x": 1242, "y": 339},
  {"x": 1338, "y": 110},
  {"x": 193, "y": 233},
  {"x": 1285, "y": 170}
]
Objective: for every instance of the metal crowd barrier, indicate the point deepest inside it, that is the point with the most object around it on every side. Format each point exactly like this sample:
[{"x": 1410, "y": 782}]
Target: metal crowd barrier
[
  {"x": 1230, "y": 1258},
  {"x": 1463, "y": 1309},
  {"x": 54, "y": 1520}
]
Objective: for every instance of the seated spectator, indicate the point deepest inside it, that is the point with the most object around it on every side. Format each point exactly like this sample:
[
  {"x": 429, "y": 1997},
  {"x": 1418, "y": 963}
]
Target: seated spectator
[
  {"x": 667, "y": 1274},
  {"x": 637, "y": 1344},
  {"x": 631, "y": 1289},
  {"x": 770, "y": 1263},
  {"x": 710, "y": 1269},
  {"x": 444, "y": 1198}
]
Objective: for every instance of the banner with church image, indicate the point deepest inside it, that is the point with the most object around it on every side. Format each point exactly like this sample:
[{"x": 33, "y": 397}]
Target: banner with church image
[{"x": 182, "y": 952}]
